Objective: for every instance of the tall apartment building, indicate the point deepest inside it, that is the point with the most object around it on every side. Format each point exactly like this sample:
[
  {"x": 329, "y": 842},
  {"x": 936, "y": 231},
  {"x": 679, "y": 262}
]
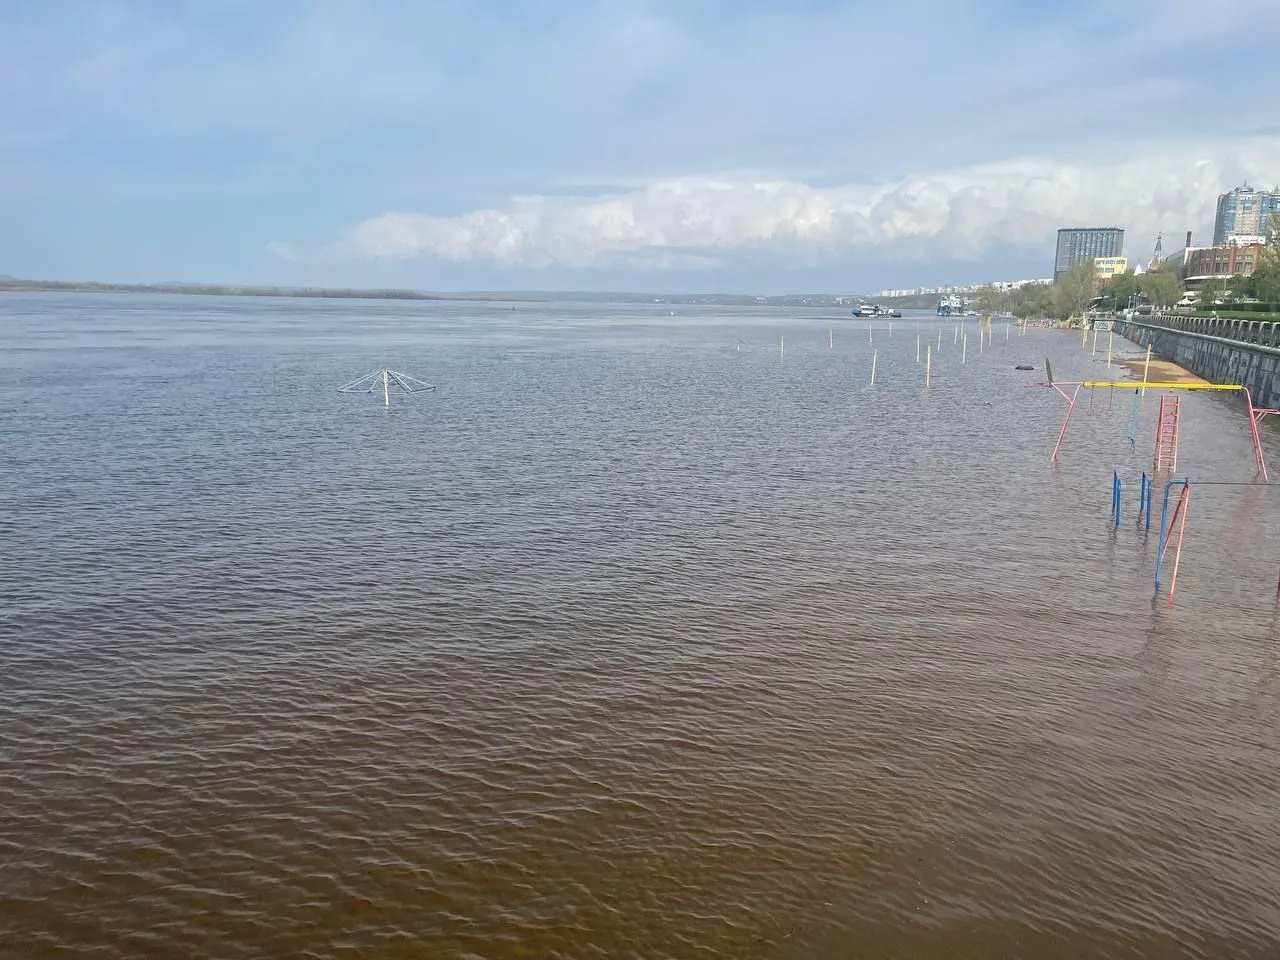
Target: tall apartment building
[
  {"x": 1242, "y": 215},
  {"x": 1086, "y": 243}
]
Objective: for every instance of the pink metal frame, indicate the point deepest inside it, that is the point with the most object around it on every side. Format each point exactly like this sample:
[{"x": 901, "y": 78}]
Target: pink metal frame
[
  {"x": 1256, "y": 416},
  {"x": 1173, "y": 404},
  {"x": 1071, "y": 405},
  {"x": 1180, "y": 518}
]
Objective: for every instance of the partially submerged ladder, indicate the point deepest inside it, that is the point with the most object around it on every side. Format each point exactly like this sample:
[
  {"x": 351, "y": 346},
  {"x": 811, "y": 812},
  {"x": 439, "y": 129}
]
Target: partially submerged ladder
[{"x": 1167, "y": 433}]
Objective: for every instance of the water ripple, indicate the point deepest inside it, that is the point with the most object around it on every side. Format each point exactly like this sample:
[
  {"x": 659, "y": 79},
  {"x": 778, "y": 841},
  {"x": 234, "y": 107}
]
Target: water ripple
[{"x": 626, "y": 644}]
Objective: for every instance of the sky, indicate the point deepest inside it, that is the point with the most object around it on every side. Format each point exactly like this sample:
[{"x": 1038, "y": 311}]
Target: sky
[{"x": 640, "y": 145}]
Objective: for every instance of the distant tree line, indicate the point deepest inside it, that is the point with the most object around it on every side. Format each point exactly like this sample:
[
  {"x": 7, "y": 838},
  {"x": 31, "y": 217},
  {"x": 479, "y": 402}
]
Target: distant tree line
[
  {"x": 220, "y": 290},
  {"x": 1070, "y": 296}
]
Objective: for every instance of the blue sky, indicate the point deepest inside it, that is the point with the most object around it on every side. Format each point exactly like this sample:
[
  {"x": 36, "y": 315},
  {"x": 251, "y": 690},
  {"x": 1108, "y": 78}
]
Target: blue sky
[{"x": 697, "y": 145}]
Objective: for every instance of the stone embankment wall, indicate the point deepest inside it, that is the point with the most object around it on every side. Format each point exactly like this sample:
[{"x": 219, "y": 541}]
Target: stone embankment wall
[{"x": 1220, "y": 351}]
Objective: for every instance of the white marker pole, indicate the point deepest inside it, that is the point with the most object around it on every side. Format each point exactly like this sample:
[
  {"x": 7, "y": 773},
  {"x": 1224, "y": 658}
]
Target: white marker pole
[
  {"x": 874, "y": 354},
  {"x": 386, "y": 389}
]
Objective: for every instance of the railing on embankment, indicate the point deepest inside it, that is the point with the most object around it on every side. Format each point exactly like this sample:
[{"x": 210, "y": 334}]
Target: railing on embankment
[
  {"x": 1265, "y": 333},
  {"x": 1246, "y": 352}
]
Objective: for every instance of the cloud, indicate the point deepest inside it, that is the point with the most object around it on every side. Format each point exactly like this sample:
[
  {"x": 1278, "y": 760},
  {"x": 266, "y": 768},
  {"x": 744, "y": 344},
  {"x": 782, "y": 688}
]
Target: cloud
[
  {"x": 952, "y": 215},
  {"x": 285, "y": 251},
  {"x": 663, "y": 135}
]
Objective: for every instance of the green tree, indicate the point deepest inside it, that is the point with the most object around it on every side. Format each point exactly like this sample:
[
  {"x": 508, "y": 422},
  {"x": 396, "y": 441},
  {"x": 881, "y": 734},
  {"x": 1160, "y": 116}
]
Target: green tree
[
  {"x": 990, "y": 300},
  {"x": 1273, "y": 230},
  {"x": 1221, "y": 291},
  {"x": 1162, "y": 287},
  {"x": 1123, "y": 286},
  {"x": 1224, "y": 290},
  {"x": 1266, "y": 276},
  {"x": 1033, "y": 300},
  {"x": 1025, "y": 307},
  {"x": 1244, "y": 287},
  {"x": 1074, "y": 290},
  {"x": 1241, "y": 288}
]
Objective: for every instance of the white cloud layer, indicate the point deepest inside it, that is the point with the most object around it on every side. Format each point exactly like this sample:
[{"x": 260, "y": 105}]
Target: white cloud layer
[{"x": 957, "y": 214}]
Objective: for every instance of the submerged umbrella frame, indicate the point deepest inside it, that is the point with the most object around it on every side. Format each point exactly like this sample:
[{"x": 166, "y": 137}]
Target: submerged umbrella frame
[{"x": 386, "y": 379}]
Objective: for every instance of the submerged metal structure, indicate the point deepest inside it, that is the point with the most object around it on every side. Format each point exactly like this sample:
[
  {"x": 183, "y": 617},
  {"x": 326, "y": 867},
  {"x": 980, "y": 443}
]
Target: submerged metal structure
[
  {"x": 1166, "y": 452},
  {"x": 386, "y": 379}
]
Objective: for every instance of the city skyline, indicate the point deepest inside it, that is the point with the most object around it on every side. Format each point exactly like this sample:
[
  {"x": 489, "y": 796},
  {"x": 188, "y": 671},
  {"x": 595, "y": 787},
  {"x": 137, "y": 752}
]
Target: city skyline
[
  {"x": 647, "y": 146},
  {"x": 1242, "y": 212}
]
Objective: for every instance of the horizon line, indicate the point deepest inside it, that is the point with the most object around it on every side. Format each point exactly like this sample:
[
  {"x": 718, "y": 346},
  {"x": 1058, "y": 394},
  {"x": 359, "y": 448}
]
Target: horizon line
[{"x": 12, "y": 283}]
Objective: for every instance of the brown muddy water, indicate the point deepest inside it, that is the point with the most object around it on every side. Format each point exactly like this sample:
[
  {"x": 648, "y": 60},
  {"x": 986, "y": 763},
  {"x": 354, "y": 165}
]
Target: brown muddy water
[{"x": 634, "y": 640}]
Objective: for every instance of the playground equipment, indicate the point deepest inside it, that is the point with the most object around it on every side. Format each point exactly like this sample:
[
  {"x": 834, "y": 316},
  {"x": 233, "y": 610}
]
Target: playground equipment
[
  {"x": 1146, "y": 487},
  {"x": 1144, "y": 501},
  {"x": 1179, "y": 511},
  {"x": 1167, "y": 433},
  {"x": 1164, "y": 461},
  {"x": 1169, "y": 521}
]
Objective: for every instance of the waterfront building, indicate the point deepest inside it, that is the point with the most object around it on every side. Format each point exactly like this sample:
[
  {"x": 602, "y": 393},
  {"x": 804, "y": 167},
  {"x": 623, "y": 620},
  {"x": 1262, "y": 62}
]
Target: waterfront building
[
  {"x": 1076, "y": 244},
  {"x": 1221, "y": 261},
  {"x": 1242, "y": 215}
]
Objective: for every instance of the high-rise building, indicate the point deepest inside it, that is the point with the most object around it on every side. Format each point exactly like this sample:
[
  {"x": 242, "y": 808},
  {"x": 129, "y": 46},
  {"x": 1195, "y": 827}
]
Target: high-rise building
[
  {"x": 1086, "y": 243},
  {"x": 1242, "y": 215}
]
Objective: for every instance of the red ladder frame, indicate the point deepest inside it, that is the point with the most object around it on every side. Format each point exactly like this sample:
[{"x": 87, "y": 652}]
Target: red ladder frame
[{"x": 1167, "y": 433}]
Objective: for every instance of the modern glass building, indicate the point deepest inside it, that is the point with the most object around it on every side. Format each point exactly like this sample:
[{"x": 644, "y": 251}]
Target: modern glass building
[
  {"x": 1086, "y": 243},
  {"x": 1243, "y": 213}
]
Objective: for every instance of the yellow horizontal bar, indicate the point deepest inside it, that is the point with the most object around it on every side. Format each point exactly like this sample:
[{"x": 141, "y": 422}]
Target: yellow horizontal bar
[{"x": 1161, "y": 385}]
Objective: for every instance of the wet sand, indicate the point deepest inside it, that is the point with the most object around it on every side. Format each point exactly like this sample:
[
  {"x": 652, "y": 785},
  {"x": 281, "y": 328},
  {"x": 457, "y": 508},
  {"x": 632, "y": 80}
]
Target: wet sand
[{"x": 1160, "y": 371}]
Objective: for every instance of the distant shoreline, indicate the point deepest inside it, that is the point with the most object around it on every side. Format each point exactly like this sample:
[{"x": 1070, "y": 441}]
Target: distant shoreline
[
  {"x": 18, "y": 285},
  {"x": 13, "y": 285}
]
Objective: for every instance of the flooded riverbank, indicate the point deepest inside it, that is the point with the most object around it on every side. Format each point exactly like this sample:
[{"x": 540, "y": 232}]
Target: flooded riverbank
[{"x": 635, "y": 639}]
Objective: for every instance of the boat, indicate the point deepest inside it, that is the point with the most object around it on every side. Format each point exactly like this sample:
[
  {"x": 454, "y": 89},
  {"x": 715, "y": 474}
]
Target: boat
[{"x": 874, "y": 310}]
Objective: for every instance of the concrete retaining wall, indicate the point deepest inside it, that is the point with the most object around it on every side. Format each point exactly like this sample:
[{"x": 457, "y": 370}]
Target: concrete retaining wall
[{"x": 1216, "y": 359}]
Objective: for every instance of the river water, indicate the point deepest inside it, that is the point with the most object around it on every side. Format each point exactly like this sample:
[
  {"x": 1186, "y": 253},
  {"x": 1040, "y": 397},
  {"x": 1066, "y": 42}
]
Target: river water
[{"x": 635, "y": 639}]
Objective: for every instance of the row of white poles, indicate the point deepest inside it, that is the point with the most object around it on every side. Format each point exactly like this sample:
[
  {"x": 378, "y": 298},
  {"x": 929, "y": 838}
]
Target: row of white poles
[{"x": 984, "y": 338}]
